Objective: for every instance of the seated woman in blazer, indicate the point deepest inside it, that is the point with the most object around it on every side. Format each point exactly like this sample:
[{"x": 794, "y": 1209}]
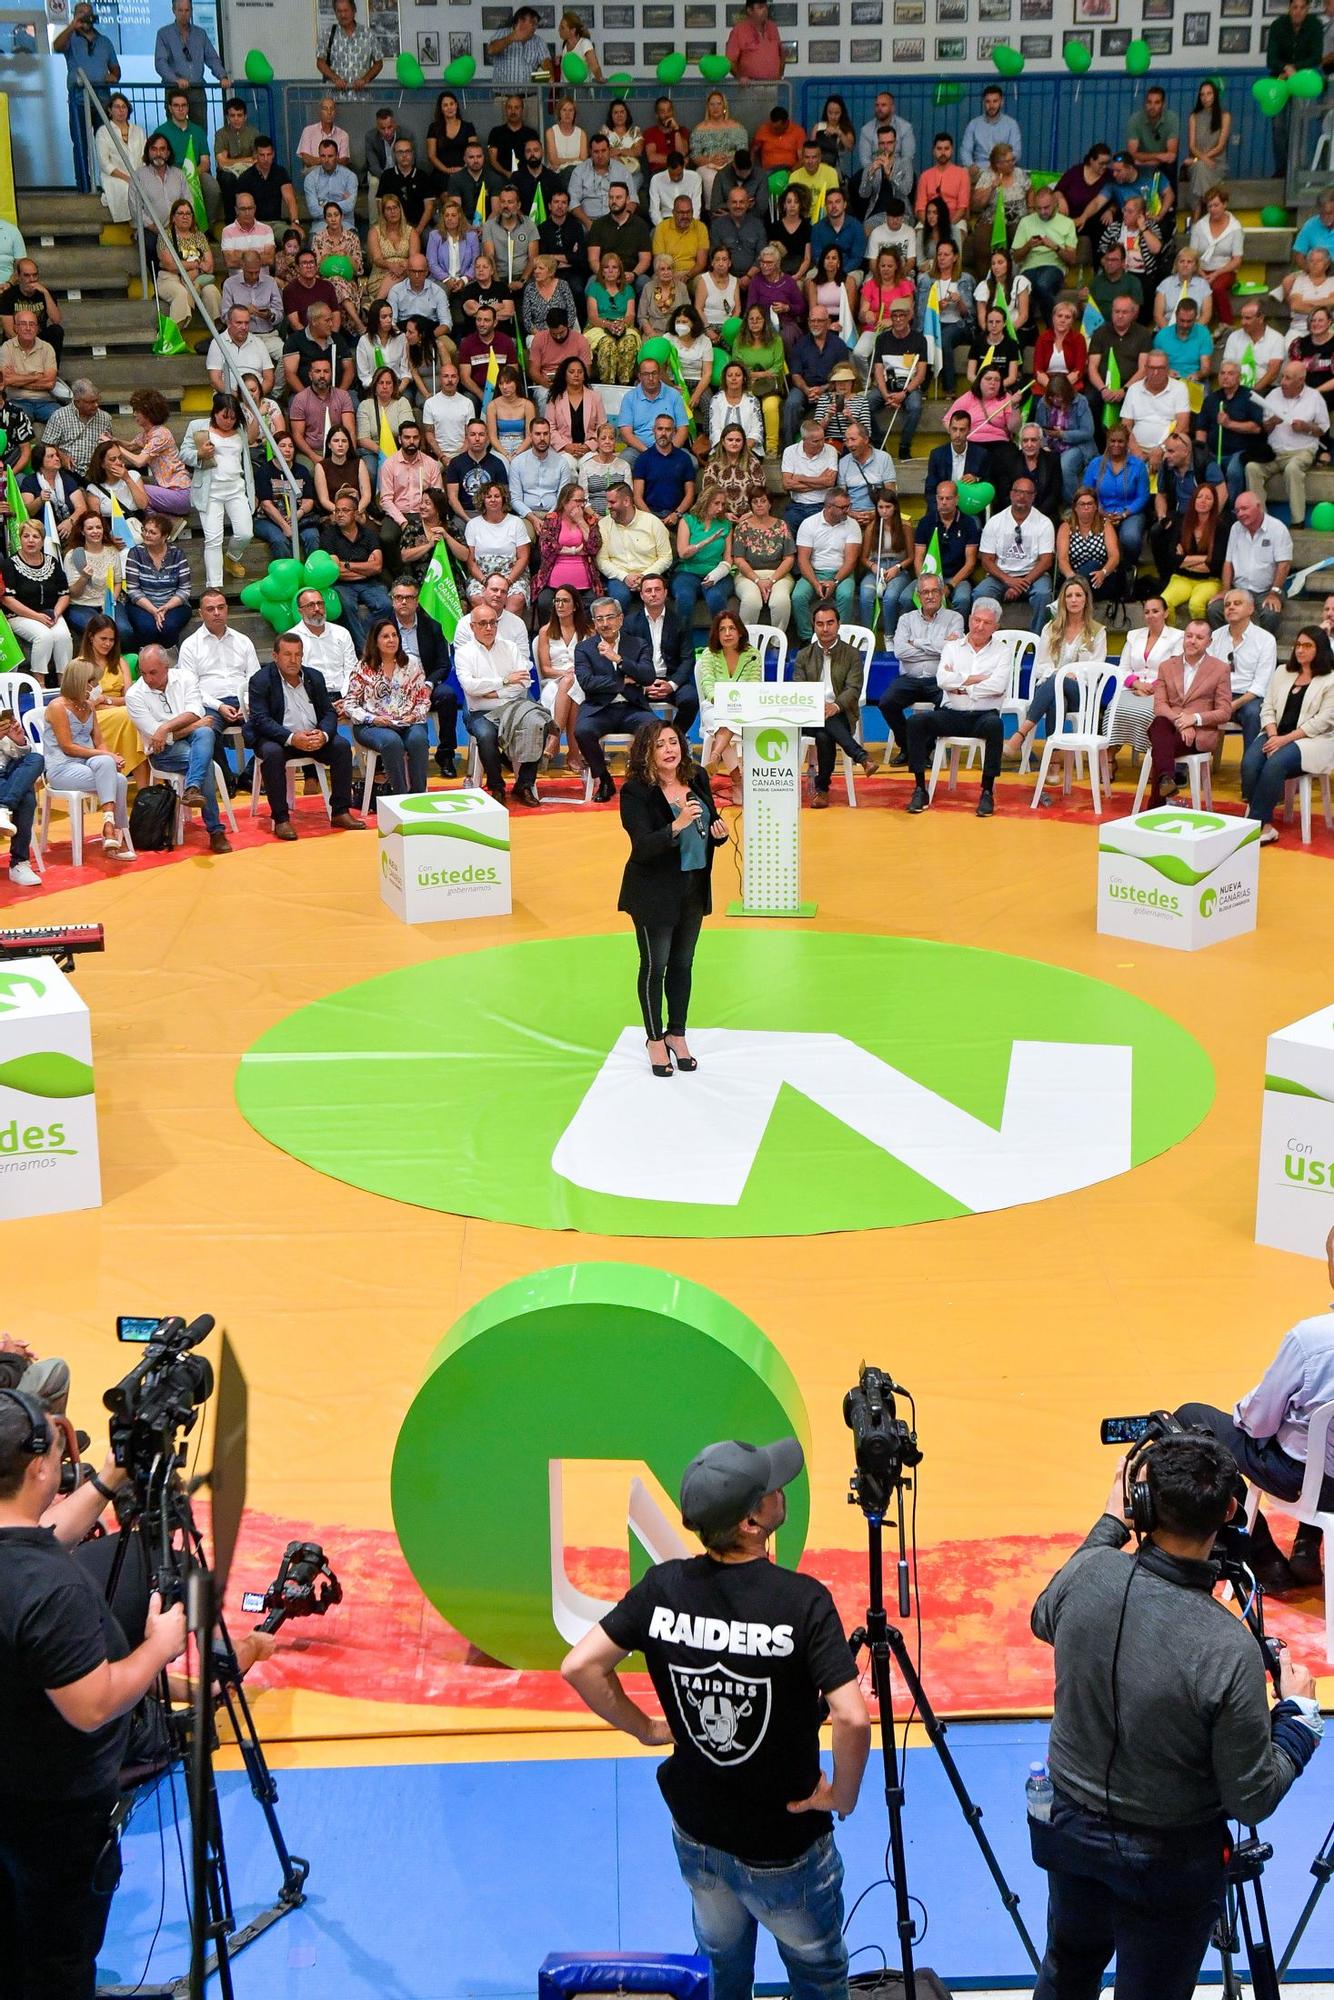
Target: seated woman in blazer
[
  {"x": 668, "y": 811},
  {"x": 1296, "y": 728}
]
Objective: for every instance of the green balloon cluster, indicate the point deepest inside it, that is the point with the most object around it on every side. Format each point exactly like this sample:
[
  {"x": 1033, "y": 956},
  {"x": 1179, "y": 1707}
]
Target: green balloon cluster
[
  {"x": 1139, "y": 58},
  {"x": 1270, "y": 94},
  {"x": 1307, "y": 83},
  {"x": 409, "y": 71},
  {"x": 258, "y": 68},
  {"x": 337, "y": 266},
  {"x": 1078, "y": 59},
  {"x": 778, "y": 180},
  {"x": 1274, "y": 216},
  {"x": 1007, "y": 60},
  {"x": 672, "y": 68},
  {"x": 459, "y": 73},
  {"x": 1322, "y": 517},
  {"x": 274, "y": 594},
  {"x": 713, "y": 68},
  {"x": 728, "y": 332},
  {"x": 658, "y": 349},
  {"x": 975, "y": 495},
  {"x": 573, "y": 69}
]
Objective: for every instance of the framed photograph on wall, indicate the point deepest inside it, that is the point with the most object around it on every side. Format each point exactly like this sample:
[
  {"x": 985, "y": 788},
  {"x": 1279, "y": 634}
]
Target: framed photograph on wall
[
  {"x": 619, "y": 55},
  {"x": 701, "y": 17},
  {"x": 496, "y": 17},
  {"x": 1158, "y": 10},
  {"x": 1084, "y": 36},
  {"x": 783, "y": 14},
  {"x": 951, "y": 11},
  {"x": 1234, "y": 41},
  {"x": 460, "y": 42},
  {"x": 986, "y": 43},
  {"x": 789, "y": 48},
  {"x": 907, "y": 13},
  {"x": 825, "y": 14},
  {"x": 1195, "y": 30},
  {"x": 824, "y": 52},
  {"x": 619, "y": 18},
  {"x": 1098, "y": 11},
  {"x": 909, "y": 50},
  {"x": 951, "y": 48},
  {"x": 1035, "y": 10},
  {"x": 1235, "y": 10},
  {"x": 994, "y": 10},
  {"x": 658, "y": 17},
  {"x": 653, "y": 53},
  {"x": 1035, "y": 48},
  {"x": 1114, "y": 41},
  {"x": 870, "y": 13},
  {"x": 1158, "y": 41},
  {"x": 428, "y": 49}
]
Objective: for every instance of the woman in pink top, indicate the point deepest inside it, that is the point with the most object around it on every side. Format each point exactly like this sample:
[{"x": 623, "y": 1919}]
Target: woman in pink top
[
  {"x": 567, "y": 548},
  {"x": 889, "y": 282},
  {"x": 990, "y": 413},
  {"x": 154, "y": 454}
]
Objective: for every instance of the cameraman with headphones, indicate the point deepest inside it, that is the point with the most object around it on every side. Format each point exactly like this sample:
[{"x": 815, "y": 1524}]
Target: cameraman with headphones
[
  {"x": 67, "y": 1683},
  {"x": 1161, "y": 1732}
]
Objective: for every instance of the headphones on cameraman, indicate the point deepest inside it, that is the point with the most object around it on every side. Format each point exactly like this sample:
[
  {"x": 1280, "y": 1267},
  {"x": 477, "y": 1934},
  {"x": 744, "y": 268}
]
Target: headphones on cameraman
[
  {"x": 1141, "y": 1507},
  {"x": 38, "y": 1441}
]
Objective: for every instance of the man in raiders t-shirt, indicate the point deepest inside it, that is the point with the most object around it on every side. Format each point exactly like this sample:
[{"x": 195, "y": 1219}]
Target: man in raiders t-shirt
[{"x": 745, "y": 1659}]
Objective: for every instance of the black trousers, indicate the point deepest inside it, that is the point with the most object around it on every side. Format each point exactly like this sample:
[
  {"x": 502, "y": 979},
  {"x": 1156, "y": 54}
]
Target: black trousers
[
  {"x": 595, "y": 723},
  {"x": 1147, "y": 1896},
  {"x": 59, "y": 1866},
  {"x": 337, "y": 754},
  {"x": 666, "y": 958},
  {"x": 903, "y": 693},
  {"x": 836, "y": 735},
  {"x": 1261, "y": 1460},
  {"x": 926, "y": 726},
  {"x": 445, "y": 708}
]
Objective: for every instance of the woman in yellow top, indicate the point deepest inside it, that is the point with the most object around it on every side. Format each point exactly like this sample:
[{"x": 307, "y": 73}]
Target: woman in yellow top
[
  {"x": 729, "y": 656},
  {"x": 100, "y": 647}
]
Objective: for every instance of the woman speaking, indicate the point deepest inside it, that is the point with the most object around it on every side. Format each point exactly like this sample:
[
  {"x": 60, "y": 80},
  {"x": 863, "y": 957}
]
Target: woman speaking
[{"x": 668, "y": 811}]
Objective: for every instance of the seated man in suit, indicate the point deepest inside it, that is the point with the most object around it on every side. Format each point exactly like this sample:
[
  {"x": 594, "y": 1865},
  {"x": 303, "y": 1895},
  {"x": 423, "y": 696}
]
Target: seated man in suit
[
  {"x": 920, "y": 637},
  {"x": 839, "y": 666},
  {"x": 1192, "y": 701},
  {"x": 656, "y": 620},
  {"x": 615, "y": 670},
  {"x": 956, "y": 459},
  {"x": 423, "y": 641},
  {"x": 291, "y": 715}
]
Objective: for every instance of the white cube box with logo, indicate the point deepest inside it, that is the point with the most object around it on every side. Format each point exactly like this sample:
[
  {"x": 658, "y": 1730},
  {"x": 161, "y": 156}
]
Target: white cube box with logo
[
  {"x": 444, "y": 855},
  {"x": 48, "y": 1115},
  {"x": 1178, "y": 878},
  {"x": 1294, "y": 1206}
]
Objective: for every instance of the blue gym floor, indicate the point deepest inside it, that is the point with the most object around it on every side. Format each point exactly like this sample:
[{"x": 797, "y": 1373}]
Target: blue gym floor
[{"x": 432, "y": 1882}]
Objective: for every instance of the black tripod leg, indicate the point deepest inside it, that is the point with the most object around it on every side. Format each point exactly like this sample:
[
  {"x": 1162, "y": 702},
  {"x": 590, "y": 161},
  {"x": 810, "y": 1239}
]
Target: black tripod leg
[
  {"x": 265, "y": 1791},
  {"x": 1322, "y": 1868},
  {"x": 1259, "y": 1948},
  {"x": 936, "y": 1732},
  {"x": 894, "y": 1802}
]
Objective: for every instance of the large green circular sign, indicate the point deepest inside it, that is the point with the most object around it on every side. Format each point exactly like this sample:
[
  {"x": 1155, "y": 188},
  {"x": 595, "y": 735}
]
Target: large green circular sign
[{"x": 845, "y": 1082}]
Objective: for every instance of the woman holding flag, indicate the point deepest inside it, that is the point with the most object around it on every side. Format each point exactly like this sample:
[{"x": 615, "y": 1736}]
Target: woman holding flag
[
  {"x": 379, "y": 418},
  {"x": 115, "y": 490},
  {"x": 945, "y": 311},
  {"x": 999, "y": 204},
  {"x": 382, "y": 346},
  {"x": 47, "y": 485},
  {"x": 35, "y": 597}
]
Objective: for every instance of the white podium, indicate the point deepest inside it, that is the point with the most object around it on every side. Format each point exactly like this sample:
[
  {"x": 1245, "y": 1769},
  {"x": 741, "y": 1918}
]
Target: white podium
[
  {"x": 444, "y": 855},
  {"x": 48, "y": 1116},
  {"x": 1294, "y": 1206},
  {"x": 1177, "y": 877},
  {"x": 769, "y": 716}
]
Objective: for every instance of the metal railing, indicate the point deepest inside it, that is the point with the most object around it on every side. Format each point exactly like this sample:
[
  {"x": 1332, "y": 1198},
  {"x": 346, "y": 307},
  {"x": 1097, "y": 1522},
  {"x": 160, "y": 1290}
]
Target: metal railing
[{"x": 93, "y": 106}]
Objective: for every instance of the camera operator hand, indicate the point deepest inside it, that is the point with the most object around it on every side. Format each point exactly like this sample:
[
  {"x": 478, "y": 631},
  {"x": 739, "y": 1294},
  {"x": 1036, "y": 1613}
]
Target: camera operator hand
[
  {"x": 1295, "y": 1682},
  {"x": 165, "y": 1631},
  {"x": 1116, "y": 1499},
  {"x": 72, "y": 1516}
]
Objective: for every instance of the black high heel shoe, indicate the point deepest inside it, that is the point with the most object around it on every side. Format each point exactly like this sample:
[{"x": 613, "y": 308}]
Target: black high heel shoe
[
  {"x": 686, "y": 1063},
  {"x": 661, "y": 1069}
]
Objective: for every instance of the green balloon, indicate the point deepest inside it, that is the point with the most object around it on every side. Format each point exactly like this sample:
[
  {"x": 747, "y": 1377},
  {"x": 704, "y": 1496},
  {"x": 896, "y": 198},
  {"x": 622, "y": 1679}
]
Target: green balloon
[
  {"x": 282, "y": 580},
  {"x": 729, "y": 330},
  {"x": 975, "y": 496},
  {"x": 1307, "y": 83},
  {"x": 4, "y": 437},
  {"x": 1270, "y": 93},
  {"x": 1139, "y": 58},
  {"x": 258, "y": 68},
  {"x": 1274, "y": 217},
  {"x": 573, "y": 69},
  {"x": 713, "y": 68},
  {"x": 130, "y": 662},
  {"x": 337, "y": 266},
  {"x": 1322, "y": 517},
  {"x": 252, "y": 597},
  {"x": 658, "y": 349},
  {"x": 672, "y": 68},
  {"x": 333, "y": 603},
  {"x": 778, "y": 180},
  {"x": 409, "y": 71},
  {"x": 278, "y": 615},
  {"x": 948, "y": 93},
  {"x": 1007, "y": 60},
  {"x": 460, "y": 72},
  {"x": 1078, "y": 59},
  {"x": 621, "y": 81},
  {"x": 319, "y": 570}
]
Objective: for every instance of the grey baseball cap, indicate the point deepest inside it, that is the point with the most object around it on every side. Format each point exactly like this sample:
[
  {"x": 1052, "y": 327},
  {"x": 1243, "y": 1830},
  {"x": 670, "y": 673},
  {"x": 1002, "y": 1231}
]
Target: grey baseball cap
[{"x": 723, "y": 1482}]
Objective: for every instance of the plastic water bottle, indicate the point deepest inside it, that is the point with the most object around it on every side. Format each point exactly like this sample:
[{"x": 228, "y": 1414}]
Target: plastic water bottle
[{"x": 1038, "y": 1792}]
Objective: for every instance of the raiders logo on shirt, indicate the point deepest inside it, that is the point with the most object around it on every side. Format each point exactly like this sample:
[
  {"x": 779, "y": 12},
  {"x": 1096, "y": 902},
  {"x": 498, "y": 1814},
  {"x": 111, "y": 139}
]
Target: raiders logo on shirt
[{"x": 725, "y": 1716}]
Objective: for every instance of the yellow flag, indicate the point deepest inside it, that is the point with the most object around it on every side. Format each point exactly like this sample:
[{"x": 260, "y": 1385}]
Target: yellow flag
[{"x": 387, "y": 445}]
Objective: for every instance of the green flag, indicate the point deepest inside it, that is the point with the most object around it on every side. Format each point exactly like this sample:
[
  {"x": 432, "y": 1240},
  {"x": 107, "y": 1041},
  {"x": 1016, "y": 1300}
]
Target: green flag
[
  {"x": 1004, "y": 305},
  {"x": 679, "y": 379},
  {"x": 1248, "y": 367},
  {"x": 11, "y": 653},
  {"x": 18, "y": 511},
  {"x": 439, "y": 594},
  {"x": 1112, "y": 375},
  {"x": 931, "y": 561},
  {"x": 538, "y": 211},
  {"x": 190, "y": 168},
  {"x": 378, "y": 356},
  {"x": 998, "y": 224},
  {"x": 170, "y": 339}
]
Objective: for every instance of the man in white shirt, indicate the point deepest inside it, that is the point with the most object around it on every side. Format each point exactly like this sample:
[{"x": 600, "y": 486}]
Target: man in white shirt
[
  {"x": 237, "y": 352},
  {"x": 488, "y": 669},
  {"x": 1267, "y": 1435},
  {"x": 1258, "y": 558},
  {"x": 974, "y": 676},
  {"x": 1251, "y": 654},
  {"x": 828, "y": 545},
  {"x": 537, "y": 476},
  {"x": 810, "y": 471},
  {"x": 920, "y": 638},
  {"x": 663, "y": 189},
  {"x": 446, "y": 415},
  {"x": 222, "y": 662},
  {"x": 325, "y": 647},
  {"x": 167, "y": 709},
  {"x": 1154, "y": 405},
  {"x": 1258, "y": 351},
  {"x": 1018, "y": 549},
  {"x": 1296, "y": 418},
  {"x": 509, "y": 627}
]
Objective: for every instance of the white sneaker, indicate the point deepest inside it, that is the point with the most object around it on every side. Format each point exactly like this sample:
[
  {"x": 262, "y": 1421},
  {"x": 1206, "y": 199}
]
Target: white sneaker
[
  {"x": 6, "y": 820},
  {"x": 23, "y": 876}
]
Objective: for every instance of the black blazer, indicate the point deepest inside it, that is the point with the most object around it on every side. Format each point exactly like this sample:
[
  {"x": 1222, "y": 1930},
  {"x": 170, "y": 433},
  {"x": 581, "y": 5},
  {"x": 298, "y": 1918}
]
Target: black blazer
[
  {"x": 940, "y": 465},
  {"x": 602, "y": 683},
  {"x": 435, "y": 658},
  {"x": 267, "y": 702},
  {"x": 654, "y": 882},
  {"x": 678, "y": 648}
]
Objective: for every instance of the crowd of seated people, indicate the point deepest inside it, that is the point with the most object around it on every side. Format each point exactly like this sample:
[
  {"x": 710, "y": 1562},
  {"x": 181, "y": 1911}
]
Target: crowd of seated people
[{"x": 670, "y": 371}]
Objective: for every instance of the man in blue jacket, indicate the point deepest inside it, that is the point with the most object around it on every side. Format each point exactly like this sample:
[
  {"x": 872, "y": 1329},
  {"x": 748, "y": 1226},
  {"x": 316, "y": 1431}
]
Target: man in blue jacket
[
  {"x": 656, "y": 620},
  {"x": 292, "y": 715}
]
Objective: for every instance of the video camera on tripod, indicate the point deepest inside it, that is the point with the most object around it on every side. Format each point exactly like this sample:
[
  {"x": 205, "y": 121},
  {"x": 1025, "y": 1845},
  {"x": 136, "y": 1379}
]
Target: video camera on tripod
[
  {"x": 882, "y": 1442},
  {"x": 162, "y": 1394}
]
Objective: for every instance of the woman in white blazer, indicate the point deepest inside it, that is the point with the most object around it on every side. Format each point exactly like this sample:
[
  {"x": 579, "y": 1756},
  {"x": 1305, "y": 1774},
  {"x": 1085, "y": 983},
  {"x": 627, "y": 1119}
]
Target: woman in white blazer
[{"x": 1296, "y": 728}]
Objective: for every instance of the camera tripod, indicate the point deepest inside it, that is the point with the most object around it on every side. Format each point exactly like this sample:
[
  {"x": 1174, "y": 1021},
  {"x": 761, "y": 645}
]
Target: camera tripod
[
  {"x": 884, "y": 1446},
  {"x": 161, "y": 1517},
  {"x": 1240, "y": 1927}
]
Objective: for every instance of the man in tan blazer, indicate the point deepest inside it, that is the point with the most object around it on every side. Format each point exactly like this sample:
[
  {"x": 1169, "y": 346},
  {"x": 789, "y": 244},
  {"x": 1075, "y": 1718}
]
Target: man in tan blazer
[{"x": 1192, "y": 701}]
